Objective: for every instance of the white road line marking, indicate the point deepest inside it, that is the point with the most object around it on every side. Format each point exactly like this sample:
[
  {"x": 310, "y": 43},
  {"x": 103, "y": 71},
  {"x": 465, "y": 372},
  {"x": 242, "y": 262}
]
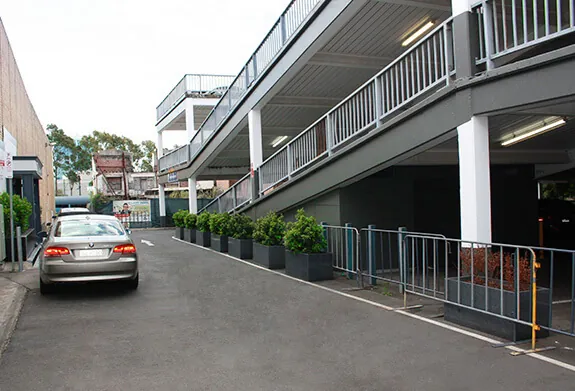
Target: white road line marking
[
  {"x": 562, "y": 301},
  {"x": 148, "y": 243},
  {"x": 391, "y": 309}
]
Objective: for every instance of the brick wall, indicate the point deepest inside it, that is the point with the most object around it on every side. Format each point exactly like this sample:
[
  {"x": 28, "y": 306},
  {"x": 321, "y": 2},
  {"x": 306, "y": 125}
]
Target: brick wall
[{"x": 17, "y": 115}]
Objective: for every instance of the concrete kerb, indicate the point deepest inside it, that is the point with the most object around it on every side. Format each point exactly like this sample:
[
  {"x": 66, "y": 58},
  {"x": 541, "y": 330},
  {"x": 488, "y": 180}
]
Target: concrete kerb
[
  {"x": 446, "y": 326},
  {"x": 12, "y": 296}
]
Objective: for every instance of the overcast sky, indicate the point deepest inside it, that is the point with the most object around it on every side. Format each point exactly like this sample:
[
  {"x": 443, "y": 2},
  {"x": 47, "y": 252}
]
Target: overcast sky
[{"x": 106, "y": 64}]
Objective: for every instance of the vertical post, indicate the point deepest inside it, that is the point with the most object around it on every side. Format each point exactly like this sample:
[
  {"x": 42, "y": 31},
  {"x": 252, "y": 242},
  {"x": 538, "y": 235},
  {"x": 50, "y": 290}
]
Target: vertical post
[
  {"x": 12, "y": 253},
  {"x": 19, "y": 245},
  {"x": 325, "y": 235},
  {"x": 219, "y": 205},
  {"x": 192, "y": 196},
  {"x": 402, "y": 259},
  {"x": 489, "y": 37},
  {"x": 235, "y": 197},
  {"x": 247, "y": 72},
  {"x": 474, "y": 180},
  {"x": 328, "y": 134},
  {"x": 378, "y": 101},
  {"x": 190, "y": 119},
  {"x": 283, "y": 29},
  {"x": 289, "y": 160},
  {"x": 371, "y": 255},
  {"x": 255, "y": 63},
  {"x": 349, "y": 245},
  {"x": 162, "y": 202},
  {"x": 255, "y": 138}
]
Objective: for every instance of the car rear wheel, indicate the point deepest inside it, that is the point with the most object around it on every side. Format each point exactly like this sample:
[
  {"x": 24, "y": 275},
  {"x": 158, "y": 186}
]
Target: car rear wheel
[
  {"x": 133, "y": 283},
  {"x": 46, "y": 289}
]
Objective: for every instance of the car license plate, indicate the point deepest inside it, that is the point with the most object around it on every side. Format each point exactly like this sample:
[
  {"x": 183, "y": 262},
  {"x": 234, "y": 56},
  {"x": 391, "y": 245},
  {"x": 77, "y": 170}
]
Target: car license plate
[{"x": 90, "y": 253}]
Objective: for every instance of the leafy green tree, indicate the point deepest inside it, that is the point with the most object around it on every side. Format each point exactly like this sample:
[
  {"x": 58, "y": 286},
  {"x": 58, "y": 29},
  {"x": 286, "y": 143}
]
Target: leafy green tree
[{"x": 64, "y": 146}]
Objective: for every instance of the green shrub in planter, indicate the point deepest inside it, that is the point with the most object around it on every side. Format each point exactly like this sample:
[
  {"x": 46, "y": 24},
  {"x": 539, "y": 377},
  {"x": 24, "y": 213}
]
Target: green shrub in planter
[
  {"x": 180, "y": 222},
  {"x": 190, "y": 231},
  {"x": 240, "y": 244},
  {"x": 270, "y": 230},
  {"x": 269, "y": 234},
  {"x": 305, "y": 235},
  {"x": 241, "y": 227},
  {"x": 305, "y": 243},
  {"x": 203, "y": 222},
  {"x": 180, "y": 218},
  {"x": 203, "y": 236},
  {"x": 22, "y": 212},
  {"x": 220, "y": 228}
]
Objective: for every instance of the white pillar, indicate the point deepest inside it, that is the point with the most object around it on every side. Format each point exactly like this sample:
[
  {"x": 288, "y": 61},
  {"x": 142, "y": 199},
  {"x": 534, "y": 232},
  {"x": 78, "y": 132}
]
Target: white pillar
[
  {"x": 461, "y": 6},
  {"x": 193, "y": 195},
  {"x": 190, "y": 125},
  {"x": 474, "y": 180},
  {"x": 160, "y": 144},
  {"x": 162, "y": 198},
  {"x": 255, "y": 131}
]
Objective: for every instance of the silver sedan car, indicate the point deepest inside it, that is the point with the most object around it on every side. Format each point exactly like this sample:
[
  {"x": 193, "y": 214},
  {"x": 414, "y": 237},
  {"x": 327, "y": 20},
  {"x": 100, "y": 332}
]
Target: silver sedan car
[{"x": 82, "y": 248}]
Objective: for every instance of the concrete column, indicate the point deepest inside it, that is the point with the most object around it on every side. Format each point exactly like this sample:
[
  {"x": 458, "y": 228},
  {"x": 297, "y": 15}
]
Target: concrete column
[
  {"x": 474, "y": 180},
  {"x": 160, "y": 144},
  {"x": 162, "y": 199},
  {"x": 190, "y": 125},
  {"x": 193, "y": 195},
  {"x": 255, "y": 130},
  {"x": 256, "y": 149}
]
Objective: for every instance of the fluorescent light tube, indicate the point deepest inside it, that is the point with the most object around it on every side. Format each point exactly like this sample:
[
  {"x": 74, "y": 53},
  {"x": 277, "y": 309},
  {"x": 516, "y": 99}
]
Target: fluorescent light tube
[
  {"x": 422, "y": 30},
  {"x": 546, "y": 127},
  {"x": 278, "y": 140}
]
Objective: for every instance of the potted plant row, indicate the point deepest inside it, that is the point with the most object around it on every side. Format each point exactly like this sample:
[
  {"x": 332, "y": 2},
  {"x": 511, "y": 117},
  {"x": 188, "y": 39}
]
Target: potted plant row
[
  {"x": 203, "y": 234},
  {"x": 240, "y": 243},
  {"x": 268, "y": 248},
  {"x": 489, "y": 278},
  {"x": 180, "y": 222},
  {"x": 220, "y": 228},
  {"x": 306, "y": 255},
  {"x": 190, "y": 230}
]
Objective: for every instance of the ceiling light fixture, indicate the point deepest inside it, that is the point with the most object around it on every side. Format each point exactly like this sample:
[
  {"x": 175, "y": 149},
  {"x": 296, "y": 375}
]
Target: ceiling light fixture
[
  {"x": 534, "y": 130},
  {"x": 422, "y": 30},
  {"x": 278, "y": 140}
]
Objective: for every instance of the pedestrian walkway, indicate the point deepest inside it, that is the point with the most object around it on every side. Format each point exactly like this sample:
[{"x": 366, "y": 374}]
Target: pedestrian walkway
[{"x": 204, "y": 321}]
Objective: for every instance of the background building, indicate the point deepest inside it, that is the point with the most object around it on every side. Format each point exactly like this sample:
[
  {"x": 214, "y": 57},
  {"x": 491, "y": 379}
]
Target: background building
[{"x": 22, "y": 135}]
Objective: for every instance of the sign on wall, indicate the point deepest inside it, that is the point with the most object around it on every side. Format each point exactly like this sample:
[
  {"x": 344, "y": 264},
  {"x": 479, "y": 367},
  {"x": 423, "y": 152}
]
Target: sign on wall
[
  {"x": 172, "y": 177},
  {"x": 132, "y": 210}
]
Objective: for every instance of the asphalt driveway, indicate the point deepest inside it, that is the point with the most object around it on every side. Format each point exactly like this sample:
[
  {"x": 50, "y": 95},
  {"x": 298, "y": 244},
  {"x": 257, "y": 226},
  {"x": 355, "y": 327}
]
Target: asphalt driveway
[{"x": 201, "y": 321}]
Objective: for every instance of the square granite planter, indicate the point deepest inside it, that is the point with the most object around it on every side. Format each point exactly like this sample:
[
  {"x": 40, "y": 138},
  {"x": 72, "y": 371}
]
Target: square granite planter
[
  {"x": 309, "y": 267},
  {"x": 492, "y": 324},
  {"x": 220, "y": 243},
  {"x": 179, "y": 233},
  {"x": 203, "y": 238},
  {"x": 190, "y": 235},
  {"x": 240, "y": 248},
  {"x": 272, "y": 257}
]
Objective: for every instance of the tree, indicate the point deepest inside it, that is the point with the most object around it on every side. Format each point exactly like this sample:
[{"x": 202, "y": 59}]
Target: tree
[
  {"x": 64, "y": 146},
  {"x": 149, "y": 149}
]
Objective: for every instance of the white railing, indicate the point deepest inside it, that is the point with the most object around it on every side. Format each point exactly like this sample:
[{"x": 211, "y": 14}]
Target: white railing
[
  {"x": 420, "y": 71},
  {"x": 173, "y": 158},
  {"x": 291, "y": 20},
  {"x": 235, "y": 197},
  {"x": 507, "y": 26},
  {"x": 198, "y": 84}
]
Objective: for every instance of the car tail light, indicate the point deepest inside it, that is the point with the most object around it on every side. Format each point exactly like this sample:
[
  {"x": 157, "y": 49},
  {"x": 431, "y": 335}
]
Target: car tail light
[
  {"x": 56, "y": 251},
  {"x": 125, "y": 249}
]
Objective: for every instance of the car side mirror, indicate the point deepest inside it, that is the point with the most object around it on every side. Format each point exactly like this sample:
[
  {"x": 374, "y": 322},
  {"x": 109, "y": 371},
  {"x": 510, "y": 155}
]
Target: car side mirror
[
  {"x": 43, "y": 234},
  {"x": 129, "y": 231}
]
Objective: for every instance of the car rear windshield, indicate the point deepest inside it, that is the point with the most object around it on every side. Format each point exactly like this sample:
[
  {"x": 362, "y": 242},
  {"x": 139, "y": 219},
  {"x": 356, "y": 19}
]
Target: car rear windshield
[{"x": 73, "y": 228}]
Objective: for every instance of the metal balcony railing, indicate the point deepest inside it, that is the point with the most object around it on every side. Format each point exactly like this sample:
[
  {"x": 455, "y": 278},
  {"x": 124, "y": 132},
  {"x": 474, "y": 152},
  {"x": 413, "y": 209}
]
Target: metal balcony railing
[
  {"x": 285, "y": 28},
  {"x": 508, "y": 26},
  {"x": 175, "y": 157},
  {"x": 420, "y": 71},
  {"x": 234, "y": 198},
  {"x": 197, "y": 84}
]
